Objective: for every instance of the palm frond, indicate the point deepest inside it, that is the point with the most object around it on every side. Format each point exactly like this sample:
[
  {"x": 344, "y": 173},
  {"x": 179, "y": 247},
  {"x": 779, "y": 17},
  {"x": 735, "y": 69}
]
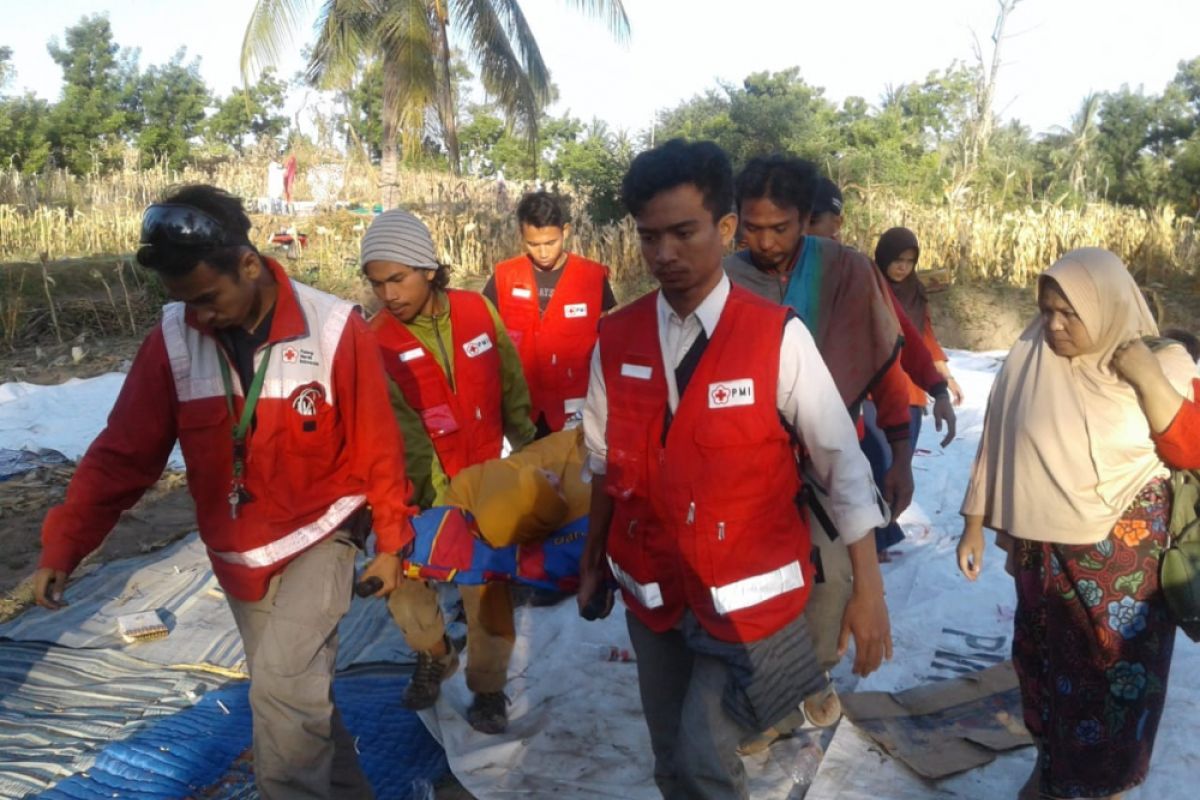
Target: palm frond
[
  {"x": 346, "y": 33},
  {"x": 500, "y": 70},
  {"x": 516, "y": 26},
  {"x": 406, "y": 44},
  {"x": 612, "y": 12},
  {"x": 271, "y": 30}
]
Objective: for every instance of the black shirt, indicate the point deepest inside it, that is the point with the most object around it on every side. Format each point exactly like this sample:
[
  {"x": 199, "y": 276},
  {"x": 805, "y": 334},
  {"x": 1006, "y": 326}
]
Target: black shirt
[{"x": 241, "y": 346}]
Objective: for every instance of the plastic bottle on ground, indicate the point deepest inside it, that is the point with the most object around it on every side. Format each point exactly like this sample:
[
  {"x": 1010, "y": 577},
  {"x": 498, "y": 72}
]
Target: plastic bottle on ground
[{"x": 800, "y": 758}]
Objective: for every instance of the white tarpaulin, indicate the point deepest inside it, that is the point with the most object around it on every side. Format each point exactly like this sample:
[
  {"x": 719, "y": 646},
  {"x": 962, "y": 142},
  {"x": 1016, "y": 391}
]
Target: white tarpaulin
[{"x": 576, "y": 725}]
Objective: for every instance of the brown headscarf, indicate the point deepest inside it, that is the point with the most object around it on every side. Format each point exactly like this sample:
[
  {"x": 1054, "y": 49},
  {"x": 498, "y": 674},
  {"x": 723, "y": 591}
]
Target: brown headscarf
[
  {"x": 1065, "y": 446},
  {"x": 910, "y": 291}
]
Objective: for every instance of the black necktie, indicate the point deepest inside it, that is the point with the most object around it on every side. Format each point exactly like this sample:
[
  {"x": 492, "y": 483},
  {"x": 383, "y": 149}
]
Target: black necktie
[{"x": 683, "y": 374}]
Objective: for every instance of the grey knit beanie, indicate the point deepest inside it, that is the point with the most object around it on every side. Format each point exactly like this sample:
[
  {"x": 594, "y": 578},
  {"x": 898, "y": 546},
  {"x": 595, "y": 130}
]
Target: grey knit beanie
[{"x": 396, "y": 235}]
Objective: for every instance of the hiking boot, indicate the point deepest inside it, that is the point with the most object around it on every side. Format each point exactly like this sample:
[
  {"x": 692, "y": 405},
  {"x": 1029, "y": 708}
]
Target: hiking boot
[
  {"x": 489, "y": 712},
  {"x": 426, "y": 683}
]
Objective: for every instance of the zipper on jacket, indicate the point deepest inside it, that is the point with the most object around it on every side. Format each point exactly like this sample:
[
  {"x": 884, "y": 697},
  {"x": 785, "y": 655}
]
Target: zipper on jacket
[
  {"x": 448, "y": 367},
  {"x": 630, "y": 529},
  {"x": 691, "y": 517},
  {"x": 720, "y": 531}
]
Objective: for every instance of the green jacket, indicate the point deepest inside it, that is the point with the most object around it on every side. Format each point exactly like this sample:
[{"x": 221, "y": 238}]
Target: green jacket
[{"x": 430, "y": 482}]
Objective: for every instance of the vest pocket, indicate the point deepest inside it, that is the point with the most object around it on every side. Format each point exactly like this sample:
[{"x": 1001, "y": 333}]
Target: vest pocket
[{"x": 439, "y": 420}]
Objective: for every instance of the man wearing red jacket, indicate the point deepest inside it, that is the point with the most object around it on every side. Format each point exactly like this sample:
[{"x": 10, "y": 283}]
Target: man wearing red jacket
[
  {"x": 694, "y": 497},
  {"x": 550, "y": 301},
  {"x": 277, "y": 397}
]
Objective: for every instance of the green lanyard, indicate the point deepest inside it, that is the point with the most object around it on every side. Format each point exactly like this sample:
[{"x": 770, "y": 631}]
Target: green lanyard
[{"x": 237, "y": 490}]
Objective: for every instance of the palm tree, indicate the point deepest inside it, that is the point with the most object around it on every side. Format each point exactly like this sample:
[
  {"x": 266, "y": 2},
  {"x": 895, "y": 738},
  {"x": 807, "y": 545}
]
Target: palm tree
[
  {"x": 412, "y": 39},
  {"x": 1080, "y": 141}
]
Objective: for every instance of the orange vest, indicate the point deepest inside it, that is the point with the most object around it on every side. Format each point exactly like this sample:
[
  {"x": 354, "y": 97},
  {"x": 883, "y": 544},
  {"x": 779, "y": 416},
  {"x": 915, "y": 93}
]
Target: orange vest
[
  {"x": 707, "y": 521},
  {"x": 465, "y": 421},
  {"x": 555, "y": 346}
]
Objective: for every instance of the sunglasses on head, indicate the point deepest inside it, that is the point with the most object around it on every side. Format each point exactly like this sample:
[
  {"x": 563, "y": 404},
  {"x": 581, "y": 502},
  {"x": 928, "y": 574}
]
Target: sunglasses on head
[{"x": 183, "y": 226}]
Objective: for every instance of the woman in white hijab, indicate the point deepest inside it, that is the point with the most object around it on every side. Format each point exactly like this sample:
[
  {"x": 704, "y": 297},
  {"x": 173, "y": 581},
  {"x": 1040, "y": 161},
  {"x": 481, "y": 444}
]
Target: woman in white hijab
[{"x": 1067, "y": 476}]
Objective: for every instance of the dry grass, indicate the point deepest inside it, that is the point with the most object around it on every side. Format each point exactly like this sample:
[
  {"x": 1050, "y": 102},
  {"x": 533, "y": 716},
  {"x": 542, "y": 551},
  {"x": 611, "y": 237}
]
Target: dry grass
[
  {"x": 58, "y": 216},
  {"x": 1012, "y": 247}
]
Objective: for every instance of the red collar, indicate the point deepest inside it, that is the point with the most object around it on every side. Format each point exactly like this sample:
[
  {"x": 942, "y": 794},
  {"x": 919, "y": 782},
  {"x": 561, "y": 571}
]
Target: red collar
[{"x": 288, "y": 320}]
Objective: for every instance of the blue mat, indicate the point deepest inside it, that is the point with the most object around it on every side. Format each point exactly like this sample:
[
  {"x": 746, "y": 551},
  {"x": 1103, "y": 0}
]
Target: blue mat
[{"x": 186, "y": 752}]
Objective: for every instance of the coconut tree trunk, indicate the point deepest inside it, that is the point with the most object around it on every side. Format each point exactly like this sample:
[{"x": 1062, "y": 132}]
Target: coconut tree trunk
[
  {"x": 446, "y": 105},
  {"x": 389, "y": 162}
]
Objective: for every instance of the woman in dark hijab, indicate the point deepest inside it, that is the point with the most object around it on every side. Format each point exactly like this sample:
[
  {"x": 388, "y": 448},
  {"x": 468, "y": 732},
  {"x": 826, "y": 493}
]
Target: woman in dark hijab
[{"x": 896, "y": 256}]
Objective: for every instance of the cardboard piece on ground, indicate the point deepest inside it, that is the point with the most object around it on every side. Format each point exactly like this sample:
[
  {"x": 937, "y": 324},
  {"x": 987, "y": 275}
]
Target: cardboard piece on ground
[{"x": 939, "y": 729}]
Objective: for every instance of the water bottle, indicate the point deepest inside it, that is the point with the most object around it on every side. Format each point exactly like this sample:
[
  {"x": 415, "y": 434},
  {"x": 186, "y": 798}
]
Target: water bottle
[{"x": 800, "y": 762}]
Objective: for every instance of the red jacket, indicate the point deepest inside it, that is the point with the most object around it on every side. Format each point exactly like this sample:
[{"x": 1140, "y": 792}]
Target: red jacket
[
  {"x": 920, "y": 351},
  {"x": 555, "y": 346},
  {"x": 1179, "y": 445},
  {"x": 709, "y": 521},
  {"x": 323, "y": 443},
  {"x": 464, "y": 421}
]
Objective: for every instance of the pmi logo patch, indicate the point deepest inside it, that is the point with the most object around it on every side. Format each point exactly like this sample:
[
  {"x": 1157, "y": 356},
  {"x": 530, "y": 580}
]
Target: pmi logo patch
[
  {"x": 477, "y": 346},
  {"x": 729, "y": 394}
]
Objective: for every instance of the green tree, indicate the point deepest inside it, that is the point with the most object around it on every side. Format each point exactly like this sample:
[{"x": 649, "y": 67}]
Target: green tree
[
  {"x": 249, "y": 112},
  {"x": 6, "y": 67},
  {"x": 770, "y": 112},
  {"x": 23, "y": 128},
  {"x": 1126, "y": 121},
  {"x": 1076, "y": 147},
  {"x": 595, "y": 163},
  {"x": 412, "y": 40},
  {"x": 87, "y": 122},
  {"x": 168, "y": 109}
]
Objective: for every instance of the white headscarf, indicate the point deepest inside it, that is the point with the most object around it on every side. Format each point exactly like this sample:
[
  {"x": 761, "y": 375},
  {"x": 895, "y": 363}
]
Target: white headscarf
[{"x": 1065, "y": 446}]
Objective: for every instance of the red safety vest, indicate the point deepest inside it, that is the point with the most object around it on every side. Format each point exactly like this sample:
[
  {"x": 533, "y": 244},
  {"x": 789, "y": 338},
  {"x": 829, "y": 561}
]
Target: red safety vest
[
  {"x": 466, "y": 422},
  {"x": 555, "y": 346},
  {"x": 708, "y": 521}
]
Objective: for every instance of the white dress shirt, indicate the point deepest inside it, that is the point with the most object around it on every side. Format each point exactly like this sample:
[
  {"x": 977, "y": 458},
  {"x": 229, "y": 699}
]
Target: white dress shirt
[{"x": 806, "y": 397}]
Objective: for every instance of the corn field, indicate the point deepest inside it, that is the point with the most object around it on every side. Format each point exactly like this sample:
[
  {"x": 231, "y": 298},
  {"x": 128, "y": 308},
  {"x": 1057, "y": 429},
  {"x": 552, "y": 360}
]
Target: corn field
[{"x": 57, "y": 216}]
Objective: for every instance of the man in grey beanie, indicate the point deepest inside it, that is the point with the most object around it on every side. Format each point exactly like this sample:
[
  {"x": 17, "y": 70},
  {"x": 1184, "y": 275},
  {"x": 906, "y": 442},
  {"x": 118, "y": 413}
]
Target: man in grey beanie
[{"x": 457, "y": 390}]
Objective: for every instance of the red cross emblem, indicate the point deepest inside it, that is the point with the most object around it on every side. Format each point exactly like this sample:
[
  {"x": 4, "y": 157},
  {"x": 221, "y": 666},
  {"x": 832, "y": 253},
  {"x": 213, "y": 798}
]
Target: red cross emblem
[
  {"x": 290, "y": 355},
  {"x": 720, "y": 395}
]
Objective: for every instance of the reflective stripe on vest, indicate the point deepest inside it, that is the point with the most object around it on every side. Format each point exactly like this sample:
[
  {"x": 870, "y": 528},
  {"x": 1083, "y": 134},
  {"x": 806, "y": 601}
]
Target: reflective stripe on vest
[
  {"x": 294, "y": 363},
  {"x": 648, "y": 594},
  {"x": 298, "y": 540},
  {"x": 757, "y": 589}
]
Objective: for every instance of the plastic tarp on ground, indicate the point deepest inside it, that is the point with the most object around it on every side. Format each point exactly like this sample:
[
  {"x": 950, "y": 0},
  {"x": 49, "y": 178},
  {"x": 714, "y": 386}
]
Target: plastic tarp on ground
[
  {"x": 178, "y": 583},
  {"x": 576, "y": 724},
  {"x": 91, "y": 724},
  {"x": 64, "y": 417}
]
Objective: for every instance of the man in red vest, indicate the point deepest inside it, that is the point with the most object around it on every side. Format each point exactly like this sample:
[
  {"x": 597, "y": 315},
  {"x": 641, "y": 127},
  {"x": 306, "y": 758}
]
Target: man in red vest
[
  {"x": 699, "y": 398},
  {"x": 551, "y": 301},
  {"x": 458, "y": 391},
  {"x": 277, "y": 397}
]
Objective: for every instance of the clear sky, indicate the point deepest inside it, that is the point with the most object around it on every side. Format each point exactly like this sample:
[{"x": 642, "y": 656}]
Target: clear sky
[{"x": 1058, "y": 51}]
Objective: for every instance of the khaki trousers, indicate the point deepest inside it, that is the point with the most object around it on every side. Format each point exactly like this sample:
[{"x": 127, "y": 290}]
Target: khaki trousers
[
  {"x": 302, "y": 750},
  {"x": 490, "y": 633}
]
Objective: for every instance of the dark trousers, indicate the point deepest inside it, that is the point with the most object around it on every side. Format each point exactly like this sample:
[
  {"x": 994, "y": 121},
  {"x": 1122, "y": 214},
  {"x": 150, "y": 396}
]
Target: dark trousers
[
  {"x": 875, "y": 447},
  {"x": 694, "y": 739}
]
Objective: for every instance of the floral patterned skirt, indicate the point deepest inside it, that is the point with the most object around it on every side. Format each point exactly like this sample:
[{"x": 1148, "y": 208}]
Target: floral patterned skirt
[{"x": 1092, "y": 648}]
